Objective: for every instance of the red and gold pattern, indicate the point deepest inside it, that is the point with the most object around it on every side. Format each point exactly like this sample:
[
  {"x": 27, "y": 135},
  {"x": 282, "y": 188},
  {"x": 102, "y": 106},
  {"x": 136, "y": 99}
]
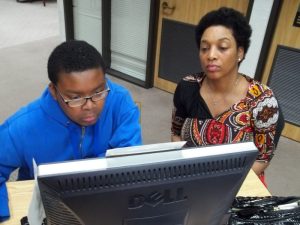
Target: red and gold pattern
[{"x": 252, "y": 119}]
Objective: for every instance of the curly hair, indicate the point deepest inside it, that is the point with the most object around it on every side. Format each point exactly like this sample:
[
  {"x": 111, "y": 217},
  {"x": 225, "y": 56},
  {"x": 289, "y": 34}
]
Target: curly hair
[
  {"x": 73, "y": 56},
  {"x": 229, "y": 18}
]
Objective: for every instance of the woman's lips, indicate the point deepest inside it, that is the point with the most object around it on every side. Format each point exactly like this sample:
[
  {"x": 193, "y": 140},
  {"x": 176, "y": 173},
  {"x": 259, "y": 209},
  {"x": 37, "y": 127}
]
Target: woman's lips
[{"x": 212, "y": 68}]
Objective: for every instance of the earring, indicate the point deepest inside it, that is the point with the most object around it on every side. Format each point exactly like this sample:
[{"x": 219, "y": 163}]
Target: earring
[{"x": 239, "y": 59}]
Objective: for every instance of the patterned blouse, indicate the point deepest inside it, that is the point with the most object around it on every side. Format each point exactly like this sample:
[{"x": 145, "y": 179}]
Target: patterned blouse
[{"x": 256, "y": 118}]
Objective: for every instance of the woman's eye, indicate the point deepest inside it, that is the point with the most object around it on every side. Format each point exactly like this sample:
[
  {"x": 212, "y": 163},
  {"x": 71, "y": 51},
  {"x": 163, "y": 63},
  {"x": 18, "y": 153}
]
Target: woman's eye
[
  {"x": 203, "y": 49},
  {"x": 223, "y": 48}
]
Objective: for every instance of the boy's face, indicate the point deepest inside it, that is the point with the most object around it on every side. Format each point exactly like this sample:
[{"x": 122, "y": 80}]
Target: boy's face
[{"x": 74, "y": 85}]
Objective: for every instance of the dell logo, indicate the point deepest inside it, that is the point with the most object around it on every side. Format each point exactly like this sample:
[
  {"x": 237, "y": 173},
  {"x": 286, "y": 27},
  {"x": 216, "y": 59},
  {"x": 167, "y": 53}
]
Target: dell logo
[{"x": 156, "y": 198}]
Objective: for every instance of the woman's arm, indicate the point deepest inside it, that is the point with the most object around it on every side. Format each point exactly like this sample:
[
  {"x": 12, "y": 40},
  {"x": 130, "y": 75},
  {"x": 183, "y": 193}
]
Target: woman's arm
[
  {"x": 259, "y": 167},
  {"x": 175, "y": 138},
  {"x": 266, "y": 126},
  {"x": 178, "y": 114}
]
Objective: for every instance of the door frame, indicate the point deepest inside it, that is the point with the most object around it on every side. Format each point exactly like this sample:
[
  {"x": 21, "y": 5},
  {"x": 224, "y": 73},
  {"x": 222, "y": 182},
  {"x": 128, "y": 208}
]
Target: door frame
[
  {"x": 106, "y": 39},
  {"x": 69, "y": 21},
  {"x": 270, "y": 30}
]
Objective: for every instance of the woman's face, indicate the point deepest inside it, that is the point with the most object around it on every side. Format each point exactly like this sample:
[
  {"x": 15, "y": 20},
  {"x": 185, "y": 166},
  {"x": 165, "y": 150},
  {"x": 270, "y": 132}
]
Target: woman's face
[
  {"x": 219, "y": 54},
  {"x": 77, "y": 85}
]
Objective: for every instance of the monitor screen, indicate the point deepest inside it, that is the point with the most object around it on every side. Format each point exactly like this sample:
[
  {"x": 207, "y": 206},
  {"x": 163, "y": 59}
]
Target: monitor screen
[{"x": 190, "y": 186}]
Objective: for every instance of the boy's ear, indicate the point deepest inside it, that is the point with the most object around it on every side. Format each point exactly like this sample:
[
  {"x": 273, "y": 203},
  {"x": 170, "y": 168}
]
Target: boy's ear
[{"x": 52, "y": 90}]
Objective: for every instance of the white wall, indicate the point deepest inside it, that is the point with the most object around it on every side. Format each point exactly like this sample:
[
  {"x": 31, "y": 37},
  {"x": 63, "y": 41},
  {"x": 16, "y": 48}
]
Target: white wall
[
  {"x": 258, "y": 21},
  {"x": 61, "y": 16}
]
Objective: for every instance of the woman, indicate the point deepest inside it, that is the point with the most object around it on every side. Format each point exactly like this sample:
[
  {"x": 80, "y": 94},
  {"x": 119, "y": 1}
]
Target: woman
[{"x": 221, "y": 105}]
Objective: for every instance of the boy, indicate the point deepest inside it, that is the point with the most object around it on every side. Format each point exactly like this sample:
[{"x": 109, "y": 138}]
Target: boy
[{"x": 80, "y": 115}]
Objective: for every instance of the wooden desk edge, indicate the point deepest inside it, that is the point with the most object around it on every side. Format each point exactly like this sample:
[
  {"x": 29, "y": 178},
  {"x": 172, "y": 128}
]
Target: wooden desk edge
[{"x": 20, "y": 193}]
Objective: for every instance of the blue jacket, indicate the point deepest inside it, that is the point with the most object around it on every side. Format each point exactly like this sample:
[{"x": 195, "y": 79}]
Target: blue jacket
[{"x": 41, "y": 131}]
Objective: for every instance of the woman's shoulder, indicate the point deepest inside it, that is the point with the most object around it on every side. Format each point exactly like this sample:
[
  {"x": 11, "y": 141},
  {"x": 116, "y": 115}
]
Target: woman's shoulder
[
  {"x": 189, "y": 85},
  {"x": 258, "y": 89}
]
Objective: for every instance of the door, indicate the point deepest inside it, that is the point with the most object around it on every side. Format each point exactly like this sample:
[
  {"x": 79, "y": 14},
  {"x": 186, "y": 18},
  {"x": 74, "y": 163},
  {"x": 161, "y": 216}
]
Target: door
[
  {"x": 88, "y": 22},
  {"x": 281, "y": 71},
  {"x": 176, "y": 51},
  {"x": 129, "y": 37}
]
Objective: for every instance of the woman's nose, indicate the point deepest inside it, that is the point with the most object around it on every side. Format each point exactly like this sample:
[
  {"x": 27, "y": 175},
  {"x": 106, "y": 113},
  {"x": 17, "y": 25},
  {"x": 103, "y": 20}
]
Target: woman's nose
[{"x": 212, "y": 54}]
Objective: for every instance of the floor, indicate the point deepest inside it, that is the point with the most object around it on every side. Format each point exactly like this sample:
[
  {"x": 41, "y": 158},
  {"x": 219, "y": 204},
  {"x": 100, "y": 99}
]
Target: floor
[{"x": 29, "y": 32}]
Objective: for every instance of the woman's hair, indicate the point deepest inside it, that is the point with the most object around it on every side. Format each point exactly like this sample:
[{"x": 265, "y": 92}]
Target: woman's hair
[
  {"x": 73, "y": 56},
  {"x": 229, "y": 18}
]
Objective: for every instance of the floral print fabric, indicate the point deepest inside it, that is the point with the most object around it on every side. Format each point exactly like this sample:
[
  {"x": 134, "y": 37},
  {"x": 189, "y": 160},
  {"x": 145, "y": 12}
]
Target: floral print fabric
[{"x": 253, "y": 118}]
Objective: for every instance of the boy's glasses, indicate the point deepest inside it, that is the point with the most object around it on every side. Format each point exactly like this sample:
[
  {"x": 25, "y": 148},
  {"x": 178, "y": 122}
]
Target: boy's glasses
[{"x": 81, "y": 101}]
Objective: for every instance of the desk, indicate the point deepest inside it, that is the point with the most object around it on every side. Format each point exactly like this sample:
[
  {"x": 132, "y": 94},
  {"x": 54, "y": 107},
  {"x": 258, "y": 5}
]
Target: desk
[{"x": 20, "y": 193}]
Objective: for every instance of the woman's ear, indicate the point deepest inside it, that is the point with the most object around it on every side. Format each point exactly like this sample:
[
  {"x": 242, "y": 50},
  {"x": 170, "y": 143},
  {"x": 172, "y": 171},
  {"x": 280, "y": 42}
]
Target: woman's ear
[
  {"x": 241, "y": 54},
  {"x": 52, "y": 90}
]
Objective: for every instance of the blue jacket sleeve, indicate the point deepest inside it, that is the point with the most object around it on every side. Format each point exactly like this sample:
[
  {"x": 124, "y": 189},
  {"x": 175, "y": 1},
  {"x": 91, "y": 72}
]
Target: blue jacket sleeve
[
  {"x": 4, "y": 211},
  {"x": 9, "y": 161},
  {"x": 128, "y": 129}
]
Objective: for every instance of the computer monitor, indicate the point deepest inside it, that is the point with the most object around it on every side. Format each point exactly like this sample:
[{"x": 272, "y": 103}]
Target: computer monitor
[{"x": 190, "y": 186}]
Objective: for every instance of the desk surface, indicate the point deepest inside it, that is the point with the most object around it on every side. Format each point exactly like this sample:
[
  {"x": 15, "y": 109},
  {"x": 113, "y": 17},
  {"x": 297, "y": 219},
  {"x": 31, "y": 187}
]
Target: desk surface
[{"x": 20, "y": 193}]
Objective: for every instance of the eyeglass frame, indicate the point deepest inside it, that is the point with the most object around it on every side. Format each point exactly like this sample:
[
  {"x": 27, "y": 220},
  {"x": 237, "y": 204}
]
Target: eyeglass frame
[{"x": 67, "y": 101}]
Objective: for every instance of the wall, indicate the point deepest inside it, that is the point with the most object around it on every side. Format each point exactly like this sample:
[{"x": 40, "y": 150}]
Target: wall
[
  {"x": 259, "y": 20},
  {"x": 61, "y": 16}
]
